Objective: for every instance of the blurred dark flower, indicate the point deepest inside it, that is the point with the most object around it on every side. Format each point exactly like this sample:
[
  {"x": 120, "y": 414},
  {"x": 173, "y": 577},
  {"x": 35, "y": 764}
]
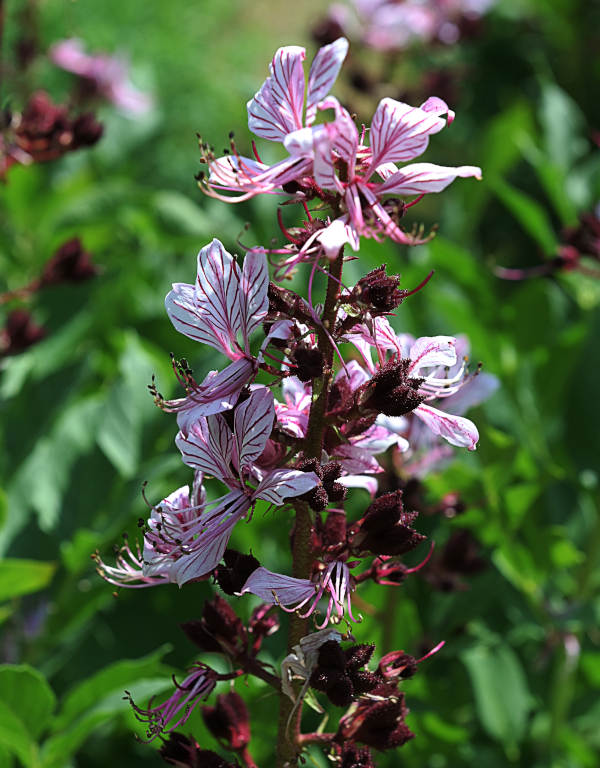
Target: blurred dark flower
[
  {"x": 19, "y": 332},
  {"x": 70, "y": 263}
]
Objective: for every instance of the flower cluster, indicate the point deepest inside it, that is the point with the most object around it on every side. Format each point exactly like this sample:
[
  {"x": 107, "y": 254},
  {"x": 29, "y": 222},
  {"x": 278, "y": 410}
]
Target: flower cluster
[
  {"x": 313, "y": 402},
  {"x": 389, "y": 25}
]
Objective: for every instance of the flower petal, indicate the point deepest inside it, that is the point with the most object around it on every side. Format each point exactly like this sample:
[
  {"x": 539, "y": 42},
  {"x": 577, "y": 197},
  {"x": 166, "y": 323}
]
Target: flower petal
[
  {"x": 438, "y": 107},
  {"x": 207, "y": 549},
  {"x": 218, "y": 392},
  {"x": 455, "y": 429},
  {"x": 277, "y": 588},
  {"x": 253, "y": 422},
  {"x": 211, "y": 312},
  {"x": 276, "y": 109},
  {"x": 283, "y": 484},
  {"x": 254, "y": 286},
  {"x": 425, "y": 178},
  {"x": 400, "y": 132},
  {"x": 337, "y": 234},
  {"x": 429, "y": 351},
  {"x": 208, "y": 447},
  {"x": 323, "y": 73}
]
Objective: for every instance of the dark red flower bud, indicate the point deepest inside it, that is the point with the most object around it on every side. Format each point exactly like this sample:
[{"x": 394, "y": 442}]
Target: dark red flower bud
[
  {"x": 232, "y": 576},
  {"x": 397, "y": 664},
  {"x": 337, "y": 673},
  {"x": 309, "y": 362},
  {"x": 316, "y": 498},
  {"x": 228, "y": 721},
  {"x": 377, "y": 292},
  {"x": 263, "y": 622},
  {"x": 19, "y": 333},
  {"x": 353, "y": 757},
  {"x": 359, "y": 655},
  {"x": 70, "y": 263},
  {"x": 335, "y": 491},
  {"x": 391, "y": 391},
  {"x": 86, "y": 130},
  {"x": 378, "y": 723},
  {"x": 331, "y": 534},
  {"x": 219, "y": 629},
  {"x": 183, "y": 752},
  {"x": 385, "y": 528}
]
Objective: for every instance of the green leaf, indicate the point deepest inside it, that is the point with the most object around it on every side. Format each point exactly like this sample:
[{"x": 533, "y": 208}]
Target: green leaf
[
  {"x": 127, "y": 406},
  {"x": 563, "y": 125},
  {"x": 28, "y": 695},
  {"x": 100, "y": 699},
  {"x": 529, "y": 213},
  {"x": 22, "y": 577},
  {"x": 15, "y": 739},
  {"x": 501, "y": 694},
  {"x": 115, "y": 677}
]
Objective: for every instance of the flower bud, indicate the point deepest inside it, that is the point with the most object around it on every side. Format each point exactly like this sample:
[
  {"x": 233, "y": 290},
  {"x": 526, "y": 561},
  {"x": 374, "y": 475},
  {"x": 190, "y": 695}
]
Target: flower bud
[
  {"x": 228, "y": 721},
  {"x": 391, "y": 391},
  {"x": 232, "y": 576}
]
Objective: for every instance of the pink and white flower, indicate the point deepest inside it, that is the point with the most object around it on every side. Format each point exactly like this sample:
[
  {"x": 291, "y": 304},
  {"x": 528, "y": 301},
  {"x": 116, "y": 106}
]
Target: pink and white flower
[
  {"x": 222, "y": 309},
  {"x": 291, "y": 594},
  {"x": 168, "y": 523},
  {"x": 283, "y": 110},
  {"x": 210, "y": 447},
  {"x": 109, "y": 75},
  {"x": 430, "y": 357},
  {"x": 398, "y": 133},
  {"x": 176, "y": 710}
]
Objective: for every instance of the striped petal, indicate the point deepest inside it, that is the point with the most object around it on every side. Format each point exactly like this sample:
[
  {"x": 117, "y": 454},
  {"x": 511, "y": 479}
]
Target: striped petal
[
  {"x": 276, "y": 109},
  {"x": 253, "y": 423},
  {"x": 323, "y": 73},
  {"x": 400, "y": 132}
]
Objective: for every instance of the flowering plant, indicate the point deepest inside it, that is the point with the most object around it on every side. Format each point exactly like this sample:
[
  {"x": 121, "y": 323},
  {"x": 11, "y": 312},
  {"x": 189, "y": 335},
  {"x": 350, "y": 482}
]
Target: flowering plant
[{"x": 299, "y": 422}]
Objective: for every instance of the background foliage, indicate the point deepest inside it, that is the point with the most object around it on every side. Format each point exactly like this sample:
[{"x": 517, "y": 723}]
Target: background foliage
[{"x": 517, "y": 682}]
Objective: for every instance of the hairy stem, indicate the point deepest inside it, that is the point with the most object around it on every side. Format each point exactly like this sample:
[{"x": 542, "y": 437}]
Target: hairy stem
[{"x": 288, "y": 739}]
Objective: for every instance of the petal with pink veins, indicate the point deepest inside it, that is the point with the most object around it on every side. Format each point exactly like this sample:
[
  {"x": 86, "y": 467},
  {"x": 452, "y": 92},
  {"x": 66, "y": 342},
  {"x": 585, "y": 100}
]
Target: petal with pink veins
[
  {"x": 208, "y": 446},
  {"x": 355, "y": 460},
  {"x": 218, "y": 392},
  {"x": 438, "y": 107},
  {"x": 253, "y": 290},
  {"x": 323, "y": 73},
  {"x": 455, "y": 429},
  {"x": 276, "y": 109},
  {"x": 425, "y": 178},
  {"x": 207, "y": 549},
  {"x": 277, "y": 588},
  {"x": 209, "y": 313},
  {"x": 253, "y": 422},
  {"x": 429, "y": 351},
  {"x": 400, "y": 132},
  {"x": 283, "y": 484}
]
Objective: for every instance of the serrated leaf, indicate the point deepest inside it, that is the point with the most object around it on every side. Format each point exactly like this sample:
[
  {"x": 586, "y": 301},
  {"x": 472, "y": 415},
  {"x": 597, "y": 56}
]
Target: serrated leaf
[
  {"x": 22, "y": 577},
  {"x": 27, "y": 694}
]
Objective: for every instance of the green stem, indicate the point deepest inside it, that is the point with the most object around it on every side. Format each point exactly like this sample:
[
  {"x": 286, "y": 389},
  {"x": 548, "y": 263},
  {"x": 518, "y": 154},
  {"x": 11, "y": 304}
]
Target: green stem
[{"x": 288, "y": 748}]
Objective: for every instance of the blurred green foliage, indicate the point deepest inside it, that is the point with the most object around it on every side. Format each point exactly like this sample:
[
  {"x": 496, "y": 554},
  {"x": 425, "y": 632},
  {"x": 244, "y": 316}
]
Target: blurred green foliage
[{"x": 517, "y": 682}]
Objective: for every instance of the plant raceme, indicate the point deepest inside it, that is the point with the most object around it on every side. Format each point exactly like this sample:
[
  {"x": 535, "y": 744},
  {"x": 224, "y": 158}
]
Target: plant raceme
[{"x": 293, "y": 421}]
